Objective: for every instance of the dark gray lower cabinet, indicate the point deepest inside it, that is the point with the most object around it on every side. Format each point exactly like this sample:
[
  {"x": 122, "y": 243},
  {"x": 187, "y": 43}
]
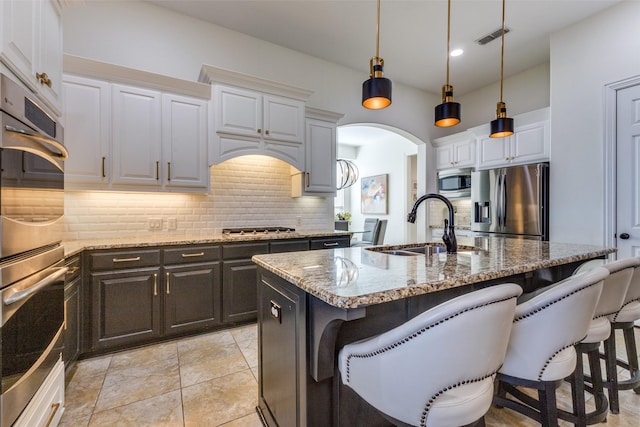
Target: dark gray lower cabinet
[
  {"x": 192, "y": 297},
  {"x": 281, "y": 351},
  {"x": 126, "y": 307},
  {"x": 239, "y": 275}
]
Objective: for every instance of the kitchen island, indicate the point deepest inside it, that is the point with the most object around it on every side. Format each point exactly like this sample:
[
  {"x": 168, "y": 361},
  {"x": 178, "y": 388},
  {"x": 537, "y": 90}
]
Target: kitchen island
[{"x": 311, "y": 304}]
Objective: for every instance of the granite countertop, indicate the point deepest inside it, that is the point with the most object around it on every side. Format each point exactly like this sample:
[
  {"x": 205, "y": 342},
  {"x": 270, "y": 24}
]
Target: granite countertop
[
  {"x": 354, "y": 277},
  {"x": 73, "y": 247}
]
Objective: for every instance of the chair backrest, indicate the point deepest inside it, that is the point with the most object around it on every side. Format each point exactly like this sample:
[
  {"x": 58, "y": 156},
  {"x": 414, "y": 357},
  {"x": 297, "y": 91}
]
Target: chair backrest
[
  {"x": 369, "y": 228},
  {"x": 633, "y": 293},
  {"x": 398, "y": 371},
  {"x": 547, "y": 326},
  {"x": 378, "y": 232}
]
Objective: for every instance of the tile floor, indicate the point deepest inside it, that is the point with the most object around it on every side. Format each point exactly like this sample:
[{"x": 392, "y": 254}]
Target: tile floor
[{"x": 210, "y": 380}]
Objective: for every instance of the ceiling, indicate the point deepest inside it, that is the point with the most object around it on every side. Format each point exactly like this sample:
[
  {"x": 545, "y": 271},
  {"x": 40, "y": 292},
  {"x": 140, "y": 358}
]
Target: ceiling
[{"x": 412, "y": 33}]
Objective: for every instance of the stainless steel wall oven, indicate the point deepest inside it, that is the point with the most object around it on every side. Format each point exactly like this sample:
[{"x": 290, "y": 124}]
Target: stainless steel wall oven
[{"x": 31, "y": 256}]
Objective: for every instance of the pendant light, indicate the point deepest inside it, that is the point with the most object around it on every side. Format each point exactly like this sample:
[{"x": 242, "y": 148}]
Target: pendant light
[
  {"x": 448, "y": 113},
  {"x": 502, "y": 126},
  {"x": 347, "y": 173},
  {"x": 376, "y": 92}
]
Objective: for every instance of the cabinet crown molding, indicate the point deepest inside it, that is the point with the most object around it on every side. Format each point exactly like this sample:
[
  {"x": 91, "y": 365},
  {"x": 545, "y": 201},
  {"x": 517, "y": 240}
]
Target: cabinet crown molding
[
  {"x": 112, "y": 73},
  {"x": 318, "y": 114},
  {"x": 210, "y": 75}
]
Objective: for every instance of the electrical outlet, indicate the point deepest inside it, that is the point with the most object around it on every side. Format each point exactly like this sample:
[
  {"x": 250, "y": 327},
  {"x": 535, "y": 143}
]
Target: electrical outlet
[
  {"x": 172, "y": 224},
  {"x": 155, "y": 223}
]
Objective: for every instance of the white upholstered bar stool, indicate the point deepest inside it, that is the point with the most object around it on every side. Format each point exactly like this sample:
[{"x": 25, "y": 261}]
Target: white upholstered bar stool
[
  {"x": 541, "y": 351},
  {"x": 624, "y": 320},
  {"x": 614, "y": 290},
  {"x": 438, "y": 368}
]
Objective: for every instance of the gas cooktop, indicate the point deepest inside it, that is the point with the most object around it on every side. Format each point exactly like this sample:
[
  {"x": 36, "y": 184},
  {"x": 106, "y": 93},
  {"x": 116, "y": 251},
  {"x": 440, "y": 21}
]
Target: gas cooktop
[{"x": 258, "y": 230}]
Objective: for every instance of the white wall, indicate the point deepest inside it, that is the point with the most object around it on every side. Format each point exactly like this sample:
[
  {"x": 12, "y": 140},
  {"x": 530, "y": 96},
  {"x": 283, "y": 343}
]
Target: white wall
[
  {"x": 386, "y": 156},
  {"x": 147, "y": 37},
  {"x": 584, "y": 58}
]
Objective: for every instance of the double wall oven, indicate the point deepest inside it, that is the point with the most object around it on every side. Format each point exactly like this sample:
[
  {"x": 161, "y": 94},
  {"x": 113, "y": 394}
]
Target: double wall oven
[{"x": 31, "y": 257}]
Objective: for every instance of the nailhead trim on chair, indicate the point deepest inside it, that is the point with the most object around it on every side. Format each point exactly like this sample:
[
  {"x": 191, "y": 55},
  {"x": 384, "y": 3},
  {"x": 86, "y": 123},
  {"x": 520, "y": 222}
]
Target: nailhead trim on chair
[
  {"x": 414, "y": 335},
  {"x": 549, "y": 304},
  {"x": 427, "y": 408},
  {"x": 615, "y": 317}
]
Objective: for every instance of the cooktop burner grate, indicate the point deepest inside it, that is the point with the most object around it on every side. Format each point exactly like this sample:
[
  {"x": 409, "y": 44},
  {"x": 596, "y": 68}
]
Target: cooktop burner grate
[{"x": 258, "y": 230}]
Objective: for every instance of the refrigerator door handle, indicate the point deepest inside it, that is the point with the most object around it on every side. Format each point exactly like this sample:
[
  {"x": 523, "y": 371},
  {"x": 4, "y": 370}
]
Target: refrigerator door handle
[
  {"x": 499, "y": 199},
  {"x": 505, "y": 202}
]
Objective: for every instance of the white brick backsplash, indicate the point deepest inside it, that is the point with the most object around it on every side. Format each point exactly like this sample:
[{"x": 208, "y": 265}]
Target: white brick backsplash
[{"x": 245, "y": 191}]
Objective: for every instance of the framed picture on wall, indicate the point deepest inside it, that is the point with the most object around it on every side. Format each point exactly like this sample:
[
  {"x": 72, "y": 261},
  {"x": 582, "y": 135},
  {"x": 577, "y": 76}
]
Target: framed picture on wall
[{"x": 373, "y": 195}]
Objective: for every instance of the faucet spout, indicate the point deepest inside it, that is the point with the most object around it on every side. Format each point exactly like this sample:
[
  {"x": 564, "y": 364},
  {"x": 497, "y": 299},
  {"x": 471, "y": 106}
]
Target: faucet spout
[{"x": 449, "y": 236}]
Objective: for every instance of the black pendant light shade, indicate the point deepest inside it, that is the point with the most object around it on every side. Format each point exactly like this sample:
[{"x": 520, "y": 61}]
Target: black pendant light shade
[
  {"x": 502, "y": 126},
  {"x": 448, "y": 113},
  {"x": 376, "y": 92}
]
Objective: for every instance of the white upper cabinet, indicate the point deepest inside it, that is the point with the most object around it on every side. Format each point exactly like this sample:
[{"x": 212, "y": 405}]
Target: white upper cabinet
[
  {"x": 455, "y": 151},
  {"x": 136, "y": 135},
  {"x": 456, "y": 155},
  {"x": 529, "y": 144},
  {"x": 31, "y": 40},
  {"x": 250, "y": 113},
  {"x": 87, "y": 107},
  {"x": 184, "y": 141},
  {"x": 318, "y": 178}
]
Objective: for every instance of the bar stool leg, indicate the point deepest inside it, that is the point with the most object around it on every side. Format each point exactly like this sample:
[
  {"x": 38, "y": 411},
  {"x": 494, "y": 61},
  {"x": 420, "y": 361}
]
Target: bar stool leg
[
  {"x": 612, "y": 374},
  {"x": 577, "y": 391},
  {"x": 548, "y": 406},
  {"x": 632, "y": 353}
]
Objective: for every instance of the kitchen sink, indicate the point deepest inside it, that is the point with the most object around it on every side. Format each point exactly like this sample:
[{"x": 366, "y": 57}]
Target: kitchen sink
[{"x": 415, "y": 250}]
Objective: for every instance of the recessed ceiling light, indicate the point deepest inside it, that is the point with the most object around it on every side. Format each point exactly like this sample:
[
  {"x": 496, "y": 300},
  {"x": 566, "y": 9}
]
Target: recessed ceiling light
[{"x": 456, "y": 52}]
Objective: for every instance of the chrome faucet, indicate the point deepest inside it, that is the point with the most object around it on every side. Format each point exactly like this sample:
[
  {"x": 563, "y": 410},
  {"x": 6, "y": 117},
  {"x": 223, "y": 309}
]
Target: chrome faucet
[{"x": 449, "y": 236}]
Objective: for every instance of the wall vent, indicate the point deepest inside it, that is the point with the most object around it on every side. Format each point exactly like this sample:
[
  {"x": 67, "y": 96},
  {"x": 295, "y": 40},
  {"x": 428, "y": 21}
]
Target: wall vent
[{"x": 492, "y": 36}]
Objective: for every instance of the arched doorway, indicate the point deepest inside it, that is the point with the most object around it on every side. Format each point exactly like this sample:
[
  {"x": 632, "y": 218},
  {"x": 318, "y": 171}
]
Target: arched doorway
[{"x": 383, "y": 150}]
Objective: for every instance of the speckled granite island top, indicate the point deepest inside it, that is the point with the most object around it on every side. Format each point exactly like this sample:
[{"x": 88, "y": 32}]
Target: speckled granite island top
[
  {"x": 354, "y": 277},
  {"x": 72, "y": 247}
]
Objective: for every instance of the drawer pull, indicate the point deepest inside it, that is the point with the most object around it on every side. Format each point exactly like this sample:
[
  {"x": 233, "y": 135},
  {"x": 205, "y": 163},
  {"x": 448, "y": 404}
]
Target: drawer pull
[
  {"x": 126, "y": 259},
  {"x": 168, "y": 284},
  {"x": 54, "y": 408},
  {"x": 276, "y": 311},
  {"x": 193, "y": 255},
  {"x": 328, "y": 245}
]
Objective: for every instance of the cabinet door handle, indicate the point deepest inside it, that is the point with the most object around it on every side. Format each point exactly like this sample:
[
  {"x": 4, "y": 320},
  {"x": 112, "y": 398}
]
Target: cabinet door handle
[
  {"x": 54, "y": 407},
  {"x": 328, "y": 245},
  {"x": 65, "y": 316},
  {"x": 193, "y": 255},
  {"x": 157, "y": 170},
  {"x": 267, "y": 131},
  {"x": 168, "y": 285},
  {"x": 168, "y": 171},
  {"x": 44, "y": 79},
  {"x": 306, "y": 179},
  {"x": 259, "y": 130},
  {"x": 155, "y": 284},
  {"x": 126, "y": 259},
  {"x": 104, "y": 174}
]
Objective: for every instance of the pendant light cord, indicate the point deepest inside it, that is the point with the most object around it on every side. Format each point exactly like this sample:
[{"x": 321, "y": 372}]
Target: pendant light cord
[
  {"x": 378, "y": 34},
  {"x": 502, "y": 53},
  {"x": 448, "y": 37}
]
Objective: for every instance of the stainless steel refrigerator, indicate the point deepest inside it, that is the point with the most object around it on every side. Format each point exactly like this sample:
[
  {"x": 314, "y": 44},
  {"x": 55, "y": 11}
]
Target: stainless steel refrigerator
[{"x": 511, "y": 201}]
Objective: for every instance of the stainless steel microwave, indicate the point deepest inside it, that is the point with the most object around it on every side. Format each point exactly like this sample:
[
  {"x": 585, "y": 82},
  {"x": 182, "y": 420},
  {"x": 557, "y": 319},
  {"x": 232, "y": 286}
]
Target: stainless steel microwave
[{"x": 455, "y": 183}]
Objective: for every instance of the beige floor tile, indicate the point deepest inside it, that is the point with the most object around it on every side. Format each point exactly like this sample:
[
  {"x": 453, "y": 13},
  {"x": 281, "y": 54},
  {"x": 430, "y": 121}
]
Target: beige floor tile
[
  {"x": 244, "y": 333},
  {"x": 252, "y": 420},
  {"x": 130, "y": 382},
  {"x": 159, "y": 411},
  {"x": 209, "y": 358},
  {"x": 215, "y": 402},
  {"x": 82, "y": 391},
  {"x": 91, "y": 367},
  {"x": 193, "y": 350},
  {"x": 145, "y": 356},
  {"x": 74, "y": 422},
  {"x": 249, "y": 349}
]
